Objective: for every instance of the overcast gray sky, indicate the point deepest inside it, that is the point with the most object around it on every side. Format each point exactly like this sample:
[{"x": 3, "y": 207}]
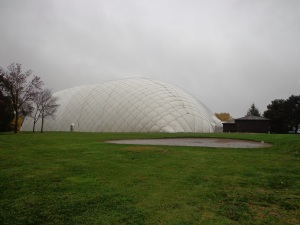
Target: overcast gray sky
[{"x": 227, "y": 53}]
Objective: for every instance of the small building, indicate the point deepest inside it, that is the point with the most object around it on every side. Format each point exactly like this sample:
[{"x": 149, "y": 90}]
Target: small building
[
  {"x": 247, "y": 124},
  {"x": 229, "y": 126}
]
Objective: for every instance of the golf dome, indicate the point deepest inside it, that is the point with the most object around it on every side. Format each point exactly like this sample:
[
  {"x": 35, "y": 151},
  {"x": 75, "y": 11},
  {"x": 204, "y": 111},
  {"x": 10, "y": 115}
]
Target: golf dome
[{"x": 129, "y": 105}]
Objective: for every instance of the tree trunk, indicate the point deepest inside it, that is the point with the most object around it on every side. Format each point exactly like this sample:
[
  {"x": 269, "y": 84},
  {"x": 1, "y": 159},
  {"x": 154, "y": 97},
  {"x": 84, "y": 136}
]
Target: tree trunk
[
  {"x": 33, "y": 129},
  {"x": 16, "y": 121},
  {"x": 42, "y": 127},
  {"x": 35, "y": 119}
]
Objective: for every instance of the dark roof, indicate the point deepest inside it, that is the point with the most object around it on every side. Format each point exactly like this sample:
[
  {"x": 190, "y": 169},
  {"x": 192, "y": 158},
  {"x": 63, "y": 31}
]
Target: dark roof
[
  {"x": 252, "y": 118},
  {"x": 231, "y": 121}
]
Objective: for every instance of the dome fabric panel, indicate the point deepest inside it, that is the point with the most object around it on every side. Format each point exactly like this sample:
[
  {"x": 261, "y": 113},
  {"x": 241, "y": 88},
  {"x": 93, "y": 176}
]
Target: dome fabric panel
[{"x": 129, "y": 105}]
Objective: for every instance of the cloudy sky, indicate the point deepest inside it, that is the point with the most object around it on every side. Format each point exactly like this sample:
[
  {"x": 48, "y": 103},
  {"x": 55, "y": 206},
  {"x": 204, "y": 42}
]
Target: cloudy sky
[{"x": 227, "y": 53}]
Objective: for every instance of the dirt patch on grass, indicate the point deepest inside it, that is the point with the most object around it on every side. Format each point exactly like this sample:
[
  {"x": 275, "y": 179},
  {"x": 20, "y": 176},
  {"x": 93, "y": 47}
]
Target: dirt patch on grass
[{"x": 204, "y": 142}]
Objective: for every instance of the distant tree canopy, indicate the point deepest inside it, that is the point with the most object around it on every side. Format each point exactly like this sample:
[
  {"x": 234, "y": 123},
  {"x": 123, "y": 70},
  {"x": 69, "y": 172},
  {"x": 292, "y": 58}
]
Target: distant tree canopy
[
  {"x": 284, "y": 114},
  {"x": 293, "y": 105},
  {"x": 253, "y": 111},
  {"x": 223, "y": 116},
  {"x": 6, "y": 113},
  {"x": 18, "y": 93},
  {"x": 16, "y": 85},
  {"x": 21, "y": 96}
]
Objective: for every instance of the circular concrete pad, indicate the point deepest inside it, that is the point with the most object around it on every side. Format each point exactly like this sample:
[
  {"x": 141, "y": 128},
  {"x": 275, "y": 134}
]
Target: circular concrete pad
[{"x": 204, "y": 142}]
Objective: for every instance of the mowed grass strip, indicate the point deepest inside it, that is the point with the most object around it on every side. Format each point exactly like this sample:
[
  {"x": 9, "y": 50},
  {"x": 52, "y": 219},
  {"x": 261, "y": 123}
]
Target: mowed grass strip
[{"x": 76, "y": 178}]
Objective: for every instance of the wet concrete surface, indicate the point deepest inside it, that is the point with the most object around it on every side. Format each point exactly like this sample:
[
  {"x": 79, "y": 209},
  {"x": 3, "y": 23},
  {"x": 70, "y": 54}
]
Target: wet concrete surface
[{"x": 204, "y": 142}]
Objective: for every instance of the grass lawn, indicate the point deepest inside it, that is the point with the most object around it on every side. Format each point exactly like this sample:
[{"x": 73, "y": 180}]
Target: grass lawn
[{"x": 75, "y": 178}]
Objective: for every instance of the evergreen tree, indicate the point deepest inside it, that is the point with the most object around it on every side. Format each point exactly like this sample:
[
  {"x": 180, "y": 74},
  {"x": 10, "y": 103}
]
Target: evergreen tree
[{"x": 253, "y": 111}]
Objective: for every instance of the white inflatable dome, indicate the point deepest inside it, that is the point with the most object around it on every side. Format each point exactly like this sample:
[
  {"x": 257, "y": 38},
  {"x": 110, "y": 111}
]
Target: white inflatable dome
[{"x": 129, "y": 105}]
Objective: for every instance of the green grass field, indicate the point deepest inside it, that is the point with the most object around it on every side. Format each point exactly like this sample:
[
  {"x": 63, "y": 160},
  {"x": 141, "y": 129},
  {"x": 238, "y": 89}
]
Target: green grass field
[{"x": 75, "y": 178}]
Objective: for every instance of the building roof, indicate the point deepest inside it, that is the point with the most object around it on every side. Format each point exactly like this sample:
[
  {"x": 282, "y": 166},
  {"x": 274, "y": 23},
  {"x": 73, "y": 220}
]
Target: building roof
[
  {"x": 231, "y": 121},
  {"x": 252, "y": 118}
]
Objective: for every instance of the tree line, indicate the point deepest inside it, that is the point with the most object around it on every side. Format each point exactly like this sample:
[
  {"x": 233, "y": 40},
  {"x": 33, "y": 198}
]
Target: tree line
[
  {"x": 21, "y": 95},
  {"x": 284, "y": 114}
]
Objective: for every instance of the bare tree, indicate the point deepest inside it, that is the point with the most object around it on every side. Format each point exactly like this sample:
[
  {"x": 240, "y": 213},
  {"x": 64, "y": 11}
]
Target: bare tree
[
  {"x": 47, "y": 105},
  {"x": 20, "y": 90},
  {"x": 36, "y": 114}
]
